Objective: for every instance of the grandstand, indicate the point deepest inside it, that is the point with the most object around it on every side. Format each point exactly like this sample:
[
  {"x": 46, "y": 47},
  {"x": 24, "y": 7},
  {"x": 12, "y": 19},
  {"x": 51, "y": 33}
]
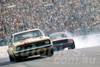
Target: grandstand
[{"x": 48, "y": 15}]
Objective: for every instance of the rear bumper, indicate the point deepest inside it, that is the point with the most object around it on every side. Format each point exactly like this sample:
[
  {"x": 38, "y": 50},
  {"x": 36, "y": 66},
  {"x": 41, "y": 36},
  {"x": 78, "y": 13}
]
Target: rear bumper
[{"x": 33, "y": 51}]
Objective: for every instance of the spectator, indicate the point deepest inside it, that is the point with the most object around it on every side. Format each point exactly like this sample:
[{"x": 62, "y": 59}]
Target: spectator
[{"x": 48, "y": 15}]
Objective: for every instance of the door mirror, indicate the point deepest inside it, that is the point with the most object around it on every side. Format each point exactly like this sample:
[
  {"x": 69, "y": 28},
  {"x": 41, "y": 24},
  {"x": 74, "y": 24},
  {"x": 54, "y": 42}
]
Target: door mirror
[{"x": 9, "y": 45}]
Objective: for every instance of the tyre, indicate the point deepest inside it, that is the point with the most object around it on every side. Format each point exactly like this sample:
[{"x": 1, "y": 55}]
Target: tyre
[
  {"x": 49, "y": 52},
  {"x": 17, "y": 59},
  {"x": 14, "y": 58},
  {"x": 11, "y": 58},
  {"x": 72, "y": 46}
]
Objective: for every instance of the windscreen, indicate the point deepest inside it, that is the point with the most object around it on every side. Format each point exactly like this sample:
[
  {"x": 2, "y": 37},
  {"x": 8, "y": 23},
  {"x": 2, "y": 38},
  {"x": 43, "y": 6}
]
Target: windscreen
[
  {"x": 27, "y": 35},
  {"x": 58, "y": 35}
]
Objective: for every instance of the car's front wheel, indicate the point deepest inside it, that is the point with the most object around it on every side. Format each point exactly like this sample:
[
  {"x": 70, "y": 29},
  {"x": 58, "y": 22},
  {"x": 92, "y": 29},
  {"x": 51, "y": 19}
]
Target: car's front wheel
[
  {"x": 17, "y": 59},
  {"x": 14, "y": 58},
  {"x": 50, "y": 52},
  {"x": 72, "y": 46},
  {"x": 11, "y": 58}
]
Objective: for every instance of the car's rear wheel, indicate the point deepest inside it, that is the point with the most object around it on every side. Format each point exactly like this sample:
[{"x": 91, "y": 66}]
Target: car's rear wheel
[
  {"x": 50, "y": 52},
  {"x": 72, "y": 46}
]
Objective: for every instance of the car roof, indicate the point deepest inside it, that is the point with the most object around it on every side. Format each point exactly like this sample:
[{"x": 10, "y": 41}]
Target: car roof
[
  {"x": 58, "y": 33},
  {"x": 25, "y": 31}
]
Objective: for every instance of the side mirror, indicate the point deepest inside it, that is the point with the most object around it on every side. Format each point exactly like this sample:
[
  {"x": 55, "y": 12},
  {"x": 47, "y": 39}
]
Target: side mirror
[{"x": 9, "y": 45}]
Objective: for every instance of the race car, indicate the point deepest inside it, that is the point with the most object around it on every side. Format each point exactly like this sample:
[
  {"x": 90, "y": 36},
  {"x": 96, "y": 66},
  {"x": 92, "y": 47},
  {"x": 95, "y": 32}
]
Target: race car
[
  {"x": 62, "y": 40},
  {"x": 28, "y": 43}
]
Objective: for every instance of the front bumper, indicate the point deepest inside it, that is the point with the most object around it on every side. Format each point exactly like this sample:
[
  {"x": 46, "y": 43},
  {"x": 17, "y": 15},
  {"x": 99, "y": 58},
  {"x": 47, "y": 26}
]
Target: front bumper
[
  {"x": 33, "y": 51},
  {"x": 62, "y": 46}
]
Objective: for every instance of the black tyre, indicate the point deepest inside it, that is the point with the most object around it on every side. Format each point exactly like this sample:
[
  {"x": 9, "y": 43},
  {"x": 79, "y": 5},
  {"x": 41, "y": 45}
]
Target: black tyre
[
  {"x": 49, "y": 52},
  {"x": 11, "y": 58},
  {"x": 14, "y": 58},
  {"x": 72, "y": 46},
  {"x": 17, "y": 59}
]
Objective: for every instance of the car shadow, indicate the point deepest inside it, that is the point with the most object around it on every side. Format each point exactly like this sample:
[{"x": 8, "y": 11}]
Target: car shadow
[
  {"x": 5, "y": 63},
  {"x": 31, "y": 59}
]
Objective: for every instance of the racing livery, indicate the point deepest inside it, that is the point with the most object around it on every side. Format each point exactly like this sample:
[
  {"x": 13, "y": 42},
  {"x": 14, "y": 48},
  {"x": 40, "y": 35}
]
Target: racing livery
[
  {"x": 29, "y": 43},
  {"x": 62, "y": 40}
]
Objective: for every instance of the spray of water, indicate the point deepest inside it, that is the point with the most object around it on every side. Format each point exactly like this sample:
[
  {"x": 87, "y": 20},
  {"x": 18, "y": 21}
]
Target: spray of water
[{"x": 87, "y": 41}]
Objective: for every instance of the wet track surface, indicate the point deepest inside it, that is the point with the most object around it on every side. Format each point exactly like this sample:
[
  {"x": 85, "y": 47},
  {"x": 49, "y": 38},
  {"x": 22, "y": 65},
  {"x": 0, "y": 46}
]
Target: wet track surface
[
  {"x": 80, "y": 57},
  {"x": 89, "y": 57}
]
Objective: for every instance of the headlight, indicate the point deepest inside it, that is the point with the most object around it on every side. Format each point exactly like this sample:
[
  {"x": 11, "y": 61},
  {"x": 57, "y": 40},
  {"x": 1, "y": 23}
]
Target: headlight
[
  {"x": 47, "y": 42},
  {"x": 18, "y": 48}
]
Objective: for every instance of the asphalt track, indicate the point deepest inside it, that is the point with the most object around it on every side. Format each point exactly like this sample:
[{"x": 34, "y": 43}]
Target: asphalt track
[
  {"x": 80, "y": 57},
  {"x": 86, "y": 57}
]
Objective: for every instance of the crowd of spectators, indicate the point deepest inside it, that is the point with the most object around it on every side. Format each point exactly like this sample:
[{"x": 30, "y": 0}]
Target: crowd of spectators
[{"x": 48, "y": 15}]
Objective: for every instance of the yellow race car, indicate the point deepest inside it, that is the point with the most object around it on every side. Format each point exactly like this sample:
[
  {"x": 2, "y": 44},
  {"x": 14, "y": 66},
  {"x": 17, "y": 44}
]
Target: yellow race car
[{"x": 28, "y": 43}]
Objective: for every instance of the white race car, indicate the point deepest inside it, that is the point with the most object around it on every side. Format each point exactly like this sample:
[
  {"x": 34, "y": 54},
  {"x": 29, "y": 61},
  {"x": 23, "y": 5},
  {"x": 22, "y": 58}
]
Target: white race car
[{"x": 62, "y": 40}]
